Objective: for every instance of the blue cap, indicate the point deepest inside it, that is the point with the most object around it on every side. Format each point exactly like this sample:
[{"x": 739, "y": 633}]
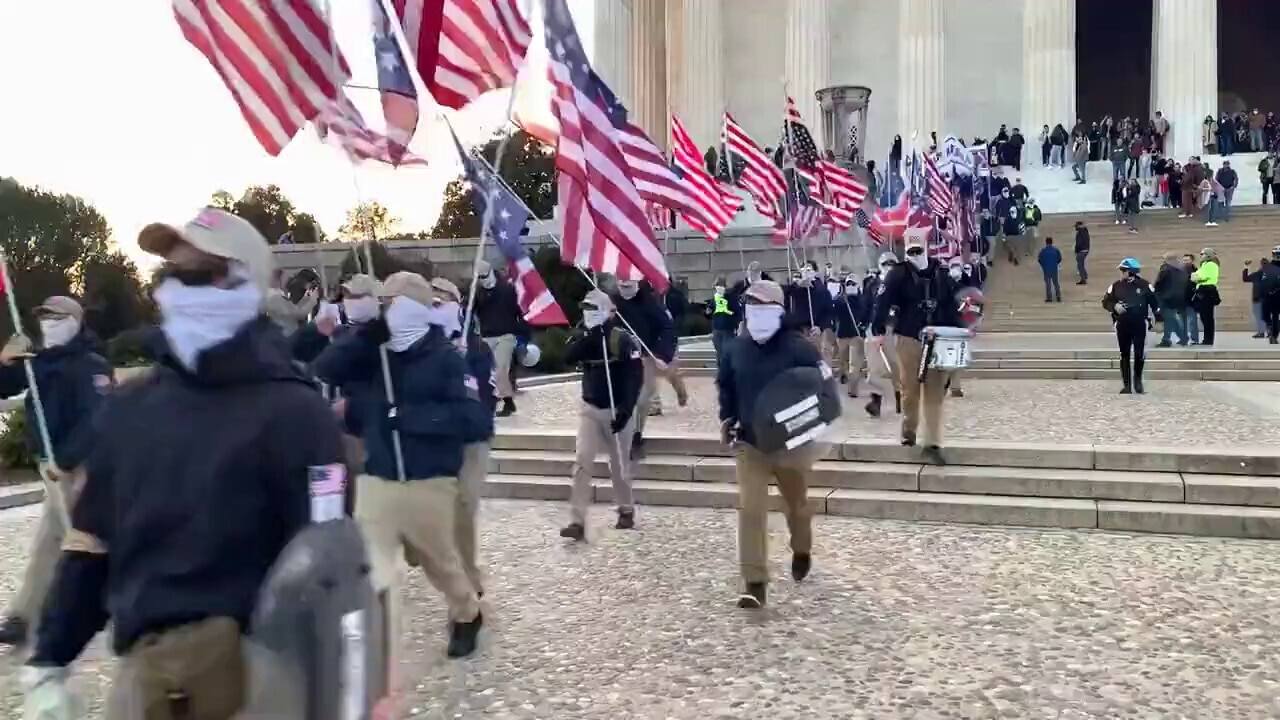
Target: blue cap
[{"x": 1130, "y": 264}]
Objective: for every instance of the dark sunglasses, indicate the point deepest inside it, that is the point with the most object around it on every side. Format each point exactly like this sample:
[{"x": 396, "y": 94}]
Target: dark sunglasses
[
  {"x": 915, "y": 251},
  {"x": 199, "y": 276}
]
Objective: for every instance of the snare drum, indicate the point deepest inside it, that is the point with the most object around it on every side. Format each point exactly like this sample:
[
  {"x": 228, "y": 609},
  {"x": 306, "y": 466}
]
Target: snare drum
[{"x": 951, "y": 349}]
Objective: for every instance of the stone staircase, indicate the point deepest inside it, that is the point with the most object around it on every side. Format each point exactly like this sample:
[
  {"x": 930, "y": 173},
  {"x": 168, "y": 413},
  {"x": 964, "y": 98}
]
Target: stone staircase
[
  {"x": 1015, "y": 294},
  {"x": 1229, "y": 493},
  {"x": 1260, "y": 365}
]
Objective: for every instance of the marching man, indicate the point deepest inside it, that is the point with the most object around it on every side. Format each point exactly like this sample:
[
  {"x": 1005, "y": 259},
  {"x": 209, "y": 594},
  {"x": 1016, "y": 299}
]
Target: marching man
[
  {"x": 882, "y": 374},
  {"x": 497, "y": 312}
]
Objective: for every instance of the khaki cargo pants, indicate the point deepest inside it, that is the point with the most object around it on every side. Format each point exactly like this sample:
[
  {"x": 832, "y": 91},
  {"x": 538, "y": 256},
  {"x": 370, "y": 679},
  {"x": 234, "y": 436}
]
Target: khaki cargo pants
[
  {"x": 882, "y": 363},
  {"x": 920, "y": 398},
  {"x": 475, "y": 468},
  {"x": 850, "y": 360},
  {"x": 503, "y": 348},
  {"x": 46, "y": 547},
  {"x": 595, "y": 436},
  {"x": 755, "y": 470}
]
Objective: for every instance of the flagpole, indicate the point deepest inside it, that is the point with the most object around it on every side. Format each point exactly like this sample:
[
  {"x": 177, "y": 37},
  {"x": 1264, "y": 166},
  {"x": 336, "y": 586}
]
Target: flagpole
[{"x": 790, "y": 142}]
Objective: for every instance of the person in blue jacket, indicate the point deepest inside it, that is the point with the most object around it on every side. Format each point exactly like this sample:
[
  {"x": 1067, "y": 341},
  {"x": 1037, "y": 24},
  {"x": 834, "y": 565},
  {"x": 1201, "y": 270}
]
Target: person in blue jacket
[
  {"x": 72, "y": 379},
  {"x": 809, "y": 305},
  {"x": 414, "y": 446},
  {"x": 644, "y": 314},
  {"x": 199, "y": 476},
  {"x": 1050, "y": 259}
]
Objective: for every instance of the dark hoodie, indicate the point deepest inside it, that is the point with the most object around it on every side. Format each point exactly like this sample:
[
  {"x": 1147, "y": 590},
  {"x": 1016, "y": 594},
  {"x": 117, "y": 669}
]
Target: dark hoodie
[
  {"x": 749, "y": 366},
  {"x": 197, "y": 482},
  {"x": 73, "y": 380}
]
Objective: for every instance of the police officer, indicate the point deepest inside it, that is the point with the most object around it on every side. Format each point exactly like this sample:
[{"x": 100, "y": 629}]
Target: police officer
[
  {"x": 849, "y": 354},
  {"x": 1269, "y": 286},
  {"x": 408, "y": 497},
  {"x": 768, "y": 348},
  {"x": 198, "y": 479},
  {"x": 878, "y": 349},
  {"x": 918, "y": 294},
  {"x": 612, "y": 374},
  {"x": 1132, "y": 304},
  {"x": 725, "y": 312},
  {"x": 72, "y": 379}
]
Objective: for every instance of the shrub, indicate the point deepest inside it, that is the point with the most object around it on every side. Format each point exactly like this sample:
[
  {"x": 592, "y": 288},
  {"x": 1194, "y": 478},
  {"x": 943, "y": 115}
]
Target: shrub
[
  {"x": 13, "y": 442},
  {"x": 551, "y": 341}
]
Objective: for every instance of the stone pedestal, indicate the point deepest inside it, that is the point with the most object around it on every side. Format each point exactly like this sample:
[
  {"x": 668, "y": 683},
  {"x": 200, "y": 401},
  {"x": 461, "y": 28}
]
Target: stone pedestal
[
  {"x": 648, "y": 98},
  {"x": 808, "y": 56},
  {"x": 844, "y": 122},
  {"x": 1184, "y": 69},
  {"x": 1048, "y": 67},
  {"x": 921, "y": 71},
  {"x": 612, "y": 46},
  {"x": 695, "y": 67}
]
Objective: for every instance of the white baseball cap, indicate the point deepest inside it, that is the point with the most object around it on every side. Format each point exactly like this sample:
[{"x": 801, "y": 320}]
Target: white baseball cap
[{"x": 218, "y": 233}]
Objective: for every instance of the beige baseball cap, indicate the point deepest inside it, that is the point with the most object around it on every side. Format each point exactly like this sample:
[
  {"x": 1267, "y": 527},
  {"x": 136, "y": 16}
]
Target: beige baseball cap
[
  {"x": 765, "y": 291},
  {"x": 218, "y": 233},
  {"x": 407, "y": 284},
  {"x": 443, "y": 290},
  {"x": 362, "y": 285},
  {"x": 62, "y": 306}
]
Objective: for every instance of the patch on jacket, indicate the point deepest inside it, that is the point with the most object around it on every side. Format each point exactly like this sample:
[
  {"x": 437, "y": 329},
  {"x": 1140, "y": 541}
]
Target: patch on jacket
[{"x": 102, "y": 383}]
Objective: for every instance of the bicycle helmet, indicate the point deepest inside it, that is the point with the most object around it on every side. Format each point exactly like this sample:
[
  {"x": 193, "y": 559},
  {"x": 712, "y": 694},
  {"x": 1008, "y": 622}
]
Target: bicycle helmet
[{"x": 1130, "y": 264}]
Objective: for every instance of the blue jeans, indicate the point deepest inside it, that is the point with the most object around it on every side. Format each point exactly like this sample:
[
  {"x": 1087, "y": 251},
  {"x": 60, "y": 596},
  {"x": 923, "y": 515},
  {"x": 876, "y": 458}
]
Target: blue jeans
[
  {"x": 1173, "y": 326},
  {"x": 1051, "y": 283},
  {"x": 1056, "y": 154},
  {"x": 1227, "y": 144},
  {"x": 1255, "y": 139},
  {"x": 1225, "y": 207},
  {"x": 1212, "y": 212},
  {"x": 1191, "y": 322},
  {"x": 1080, "y": 170},
  {"x": 1080, "y": 268},
  {"x": 1117, "y": 170},
  {"x": 720, "y": 340},
  {"x": 1259, "y": 321}
]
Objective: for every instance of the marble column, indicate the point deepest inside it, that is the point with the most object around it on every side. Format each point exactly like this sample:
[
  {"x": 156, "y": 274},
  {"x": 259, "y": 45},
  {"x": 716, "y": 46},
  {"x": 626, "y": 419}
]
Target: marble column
[
  {"x": 808, "y": 58},
  {"x": 1048, "y": 68},
  {"x": 612, "y": 45},
  {"x": 1184, "y": 70},
  {"x": 695, "y": 64},
  {"x": 647, "y": 100},
  {"x": 920, "y": 70}
]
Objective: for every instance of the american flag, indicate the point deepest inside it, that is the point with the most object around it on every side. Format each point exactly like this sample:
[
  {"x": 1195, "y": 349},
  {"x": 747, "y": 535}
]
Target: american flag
[
  {"x": 464, "y": 48},
  {"x": 605, "y": 227},
  {"x": 938, "y": 190},
  {"x": 507, "y": 226},
  {"x": 890, "y": 223},
  {"x": 718, "y": 203},
  {"x": 399, "y": 96},
  {"x": 660, "y": 218},
  {"x": 846, "y": 193},
  {"x": 276, "y": 57},
  {"x": 761, "y": 179},
  {"x": 341, "y": 120},
  {"x": 806, "y": 208}
]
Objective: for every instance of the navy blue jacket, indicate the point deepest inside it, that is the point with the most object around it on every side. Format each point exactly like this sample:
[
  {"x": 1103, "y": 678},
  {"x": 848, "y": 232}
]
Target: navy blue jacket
[
  {"x": 480, "y": 368},
  {"x": 648, "y": 317},
  {"x": 906, "y": 293},
  {"x": 197, "y": 482},
  {"x": 73, "y": 380},
  {"x": 431, "y": 394},
  {"x": 749, "y": 366},
  {"x": 1050, "y": 257},
  {"x": 799, "y": 300},
  {"x": 587, "y": 348},
  {"x": 497, "y": 310},
  {"x": 847, "y": 310},
  {"x": 308, "y": 344}
]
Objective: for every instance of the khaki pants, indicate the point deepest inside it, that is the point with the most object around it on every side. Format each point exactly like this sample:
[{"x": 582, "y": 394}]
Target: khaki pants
[
  {"x": 648, "y": 393},
  {"x": 850, "y": 360},
  {"x": 418, "y": 516},
  {"x": 672, "y": 375},
  {"x": 594, "y": 437},
  {"x": 46, "y": 548},
  {"x": 828, "y": 347},
  {"x": 882, "y": 373},
  {"x": 272, "y": 691},
  {"x": 475, "y": 468},
  {"x": 503, "y": 348},
  {"x": 955, "y": 381},
  {"x": 916, "y": 394},
  {"x": 755, "y": 470}
]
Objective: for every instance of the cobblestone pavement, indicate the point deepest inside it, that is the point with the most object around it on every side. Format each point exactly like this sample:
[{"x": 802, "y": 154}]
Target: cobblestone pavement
[
  {"x": 1066, "y": 411},
  {"x": 898, "y": 621}
]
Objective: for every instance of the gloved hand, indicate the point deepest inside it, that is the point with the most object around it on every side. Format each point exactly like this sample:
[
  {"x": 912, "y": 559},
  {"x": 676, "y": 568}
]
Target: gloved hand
[
  {"x": 619, "y": 424},
  {"x": 46, "y": 693},
  {"x": 729, "y": 432}
]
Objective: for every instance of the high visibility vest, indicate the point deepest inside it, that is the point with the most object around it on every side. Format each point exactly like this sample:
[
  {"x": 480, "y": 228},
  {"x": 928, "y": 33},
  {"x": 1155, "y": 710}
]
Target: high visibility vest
[{"x": 722, "y": 306}]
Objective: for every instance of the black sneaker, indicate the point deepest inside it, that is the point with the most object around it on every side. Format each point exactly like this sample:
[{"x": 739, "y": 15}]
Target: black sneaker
[
  {"x": 1126, "y": 390},
  {"x": 1137, "y": 387},
  {"x": 1258, "y": 336},
  {"x": 800, "y": 565},
  {"x": 13, "y": 631},
  {"x": 626, "y": 520},
  {"x": 908, "y": 440},
  {"x": 873, "y": 406},
  {"x": 508, "y": 408},
  {"x": 574, "y": 531},
  {"x": 463, "y": 637},
  {"x": 1164, "y": 343},
  {"x": 754, "y": 596},
  {"x": 933, "y": 455},
  {"x": 957, "y": 392}
]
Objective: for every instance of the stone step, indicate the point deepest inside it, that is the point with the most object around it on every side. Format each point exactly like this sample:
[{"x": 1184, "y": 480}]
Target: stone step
[
  {"x": 1234, "y": 460},
  {"x": 1152, "y": 517}
]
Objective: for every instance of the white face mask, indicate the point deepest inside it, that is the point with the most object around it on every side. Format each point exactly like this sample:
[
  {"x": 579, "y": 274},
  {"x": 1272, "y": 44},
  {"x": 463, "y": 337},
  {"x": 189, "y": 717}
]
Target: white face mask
[
  {"x": 852, "y": 289},
  {"x": 594, "y": 318},
  {"x": 361, "y": 309},
  {"x": 808, "y": 275},
  {"x": 955, "y": 273},
  {"x": 719, "y": 290},
  {"x": 409, "y": 321},
  {"x": 920, "y": 261},
  {"x": 489, "y": 281},
  {"x": 884, "y": 269},
  {"x": 195, "y": 319},
  {"x": 447, "y": 317},
  {"x": 763, "y": 321},
  {"x": 628, "y": 290},
  {"x": 833, "y": 288},
  {"x": 59, "y": 332}
]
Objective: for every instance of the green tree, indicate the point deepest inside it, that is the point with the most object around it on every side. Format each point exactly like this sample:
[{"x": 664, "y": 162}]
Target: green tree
[
  {"x": 368, "y": 220},
  {"x": 273, "y": 214},
  {"x": 528, "y": 166},
  {"x": 60, "y": 245}
]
